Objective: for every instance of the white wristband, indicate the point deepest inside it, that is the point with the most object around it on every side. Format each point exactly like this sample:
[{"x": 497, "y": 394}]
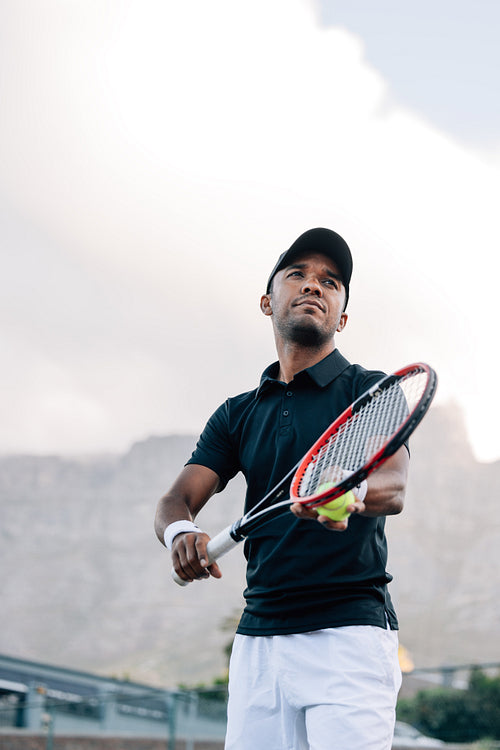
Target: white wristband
[
  {"x": 178, "y": 527},
  {"x": 360, "y": 490}
]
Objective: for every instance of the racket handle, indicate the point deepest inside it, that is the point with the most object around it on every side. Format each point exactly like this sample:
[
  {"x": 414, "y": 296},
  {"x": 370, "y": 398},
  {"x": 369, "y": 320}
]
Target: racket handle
[{"x": 218, "y": 546}]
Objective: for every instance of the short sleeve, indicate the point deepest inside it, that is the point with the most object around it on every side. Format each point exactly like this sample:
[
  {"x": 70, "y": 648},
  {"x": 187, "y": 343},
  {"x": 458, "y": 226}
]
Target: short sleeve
[{"x": 215, "y": 448}]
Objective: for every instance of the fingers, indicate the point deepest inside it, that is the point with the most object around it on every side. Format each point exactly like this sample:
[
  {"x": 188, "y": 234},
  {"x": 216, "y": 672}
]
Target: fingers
[
  {"x": 301, "y": 511},
  {"x": 332, "y": 525},
  {"x": 311, "y": 514},
  {"x": 190, "y": 559},
  {"x": 357, "y": 507}
]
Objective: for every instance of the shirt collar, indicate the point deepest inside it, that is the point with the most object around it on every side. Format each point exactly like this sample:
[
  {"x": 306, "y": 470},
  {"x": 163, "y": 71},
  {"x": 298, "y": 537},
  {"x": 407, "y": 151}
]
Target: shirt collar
[{"x": 322, "y": 373}]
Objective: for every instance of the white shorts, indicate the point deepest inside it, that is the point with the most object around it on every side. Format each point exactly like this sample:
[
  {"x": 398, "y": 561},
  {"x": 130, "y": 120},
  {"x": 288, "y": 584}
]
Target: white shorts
[{"x": 333, "y": 689}]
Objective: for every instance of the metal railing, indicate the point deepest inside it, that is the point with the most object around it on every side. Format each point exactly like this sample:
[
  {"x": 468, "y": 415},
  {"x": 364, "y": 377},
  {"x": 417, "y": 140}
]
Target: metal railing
[{"x": 451, "y": 703}]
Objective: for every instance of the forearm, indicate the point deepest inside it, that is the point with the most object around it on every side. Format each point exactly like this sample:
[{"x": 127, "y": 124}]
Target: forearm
[
  {"x": 187, "y": 496},
  {"x": 189, "y": 493},
  {"x": 385, "y": 496},
  {"x": 387, "y": 486},
  {"x": 170, "y": 508}
]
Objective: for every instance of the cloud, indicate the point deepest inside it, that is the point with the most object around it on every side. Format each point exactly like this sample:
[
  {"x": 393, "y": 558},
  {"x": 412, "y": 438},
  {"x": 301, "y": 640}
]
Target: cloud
[{"x": 162, "y": 155}]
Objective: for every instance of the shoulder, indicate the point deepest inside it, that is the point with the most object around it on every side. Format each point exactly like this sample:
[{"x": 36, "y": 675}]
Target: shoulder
[
  {"x": 361, "y": 374},
  {"x": 236, "y": 407},
  {"x": 226, "y": 418},
  {"x": 359, "y": 379}
]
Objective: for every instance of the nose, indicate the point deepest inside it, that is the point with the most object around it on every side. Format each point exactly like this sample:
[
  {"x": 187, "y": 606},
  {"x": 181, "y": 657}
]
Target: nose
[{"x": 311, "y": 285}]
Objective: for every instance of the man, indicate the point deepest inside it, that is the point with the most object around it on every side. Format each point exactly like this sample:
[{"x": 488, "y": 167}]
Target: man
[{"x": 314, "y": 662}]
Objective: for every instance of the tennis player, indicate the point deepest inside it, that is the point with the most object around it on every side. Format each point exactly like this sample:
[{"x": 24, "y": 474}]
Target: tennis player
[{"x": 314, "y": 662}]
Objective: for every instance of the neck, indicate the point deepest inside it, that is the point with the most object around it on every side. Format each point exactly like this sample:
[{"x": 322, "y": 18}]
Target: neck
[{"x": 294, "y": 358}]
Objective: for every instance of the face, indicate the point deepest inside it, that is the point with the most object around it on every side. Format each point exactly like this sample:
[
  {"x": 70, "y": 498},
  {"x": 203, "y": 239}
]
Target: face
[{"x": 307, "y": 301}]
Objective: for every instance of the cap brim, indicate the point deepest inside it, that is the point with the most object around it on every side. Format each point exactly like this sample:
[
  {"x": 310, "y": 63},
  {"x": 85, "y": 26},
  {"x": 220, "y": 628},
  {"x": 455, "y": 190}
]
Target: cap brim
[{"x": 319, "y": 240}]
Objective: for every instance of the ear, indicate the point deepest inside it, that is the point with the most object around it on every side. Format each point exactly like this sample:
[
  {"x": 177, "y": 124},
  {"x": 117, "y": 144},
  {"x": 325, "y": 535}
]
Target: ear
[
  {"x": 342, "y": 322},
  {"x": 266, "y": 304}
]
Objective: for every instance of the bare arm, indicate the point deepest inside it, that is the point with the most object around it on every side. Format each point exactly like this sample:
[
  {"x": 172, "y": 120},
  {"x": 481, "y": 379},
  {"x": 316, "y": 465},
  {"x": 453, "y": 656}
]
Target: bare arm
[
  {"x": 194, "y": 486},
  {"x": 385, "y": 496},
  {"x": 387, "y": 486}
]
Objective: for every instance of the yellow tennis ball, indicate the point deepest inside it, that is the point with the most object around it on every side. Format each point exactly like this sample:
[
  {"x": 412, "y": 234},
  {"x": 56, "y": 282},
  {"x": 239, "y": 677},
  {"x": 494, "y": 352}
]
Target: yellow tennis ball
[
  {"x": 324, "y": 486},
  {"x": 336, "y": 509}
]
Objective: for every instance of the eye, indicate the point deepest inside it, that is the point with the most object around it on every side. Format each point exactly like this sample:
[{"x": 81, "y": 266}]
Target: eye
[{"x": 331, "y": 282}]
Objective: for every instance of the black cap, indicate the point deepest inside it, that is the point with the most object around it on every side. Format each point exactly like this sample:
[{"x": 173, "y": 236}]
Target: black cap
[{"x": 318, "y": 240}]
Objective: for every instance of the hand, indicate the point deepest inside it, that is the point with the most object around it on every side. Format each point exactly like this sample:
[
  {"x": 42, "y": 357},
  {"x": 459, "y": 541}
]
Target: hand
[
  {"x": 189, "y": 557},
  {"x": 301, "y": 511}
]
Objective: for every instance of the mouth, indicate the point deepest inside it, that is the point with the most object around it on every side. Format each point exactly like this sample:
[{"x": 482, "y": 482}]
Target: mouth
[{"x": 310, "y": 302}]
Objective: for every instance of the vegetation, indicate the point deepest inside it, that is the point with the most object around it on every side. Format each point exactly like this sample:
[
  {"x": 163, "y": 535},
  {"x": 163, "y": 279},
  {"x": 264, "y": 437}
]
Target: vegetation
[
  {"x": 217, "y": 689},
  {"x": 457, "y": 715}
]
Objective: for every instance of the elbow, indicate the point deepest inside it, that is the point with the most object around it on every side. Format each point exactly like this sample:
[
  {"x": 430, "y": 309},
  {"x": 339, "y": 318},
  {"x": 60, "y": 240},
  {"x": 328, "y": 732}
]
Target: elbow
[
  {"x": 397, "y": 508},
  {"x": 161, "y": 519},
  {"x": 397, "y": 502},
  {"x": 386, "y": 503},
  {"x": 159, "y": 527},
  {"x": 159, "y": 530}
]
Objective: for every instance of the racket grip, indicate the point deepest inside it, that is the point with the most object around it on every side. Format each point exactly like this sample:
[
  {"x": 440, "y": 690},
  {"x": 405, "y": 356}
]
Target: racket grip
[{"x": 218, "y": 546}]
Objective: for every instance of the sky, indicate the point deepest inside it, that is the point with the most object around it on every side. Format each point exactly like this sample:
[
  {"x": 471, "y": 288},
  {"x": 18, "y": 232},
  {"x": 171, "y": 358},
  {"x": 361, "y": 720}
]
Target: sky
[{"x": 156, "y": 157}]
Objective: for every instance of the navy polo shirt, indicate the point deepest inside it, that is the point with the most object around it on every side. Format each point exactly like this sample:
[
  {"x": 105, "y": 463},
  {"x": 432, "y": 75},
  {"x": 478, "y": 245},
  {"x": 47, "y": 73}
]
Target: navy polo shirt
[{"x": 300, "y": 576}]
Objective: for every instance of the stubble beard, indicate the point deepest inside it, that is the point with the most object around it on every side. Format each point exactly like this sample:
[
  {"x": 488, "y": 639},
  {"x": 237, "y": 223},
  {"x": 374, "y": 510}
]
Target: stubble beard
[{"x": 304, "y": 334}]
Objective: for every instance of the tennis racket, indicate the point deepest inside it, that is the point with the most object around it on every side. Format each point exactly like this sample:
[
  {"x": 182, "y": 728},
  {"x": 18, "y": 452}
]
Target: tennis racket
[{"x": 365, "y": 435}]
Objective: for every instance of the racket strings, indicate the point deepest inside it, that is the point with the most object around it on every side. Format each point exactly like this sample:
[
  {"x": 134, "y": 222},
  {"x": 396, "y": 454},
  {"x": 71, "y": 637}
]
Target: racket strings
[{"x": 363, "y": 434}]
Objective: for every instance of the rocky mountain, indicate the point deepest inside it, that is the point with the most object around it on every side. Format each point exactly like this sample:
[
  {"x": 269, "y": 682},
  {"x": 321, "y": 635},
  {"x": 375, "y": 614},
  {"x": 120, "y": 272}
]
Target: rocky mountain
[{"x": 85, "y": 583}]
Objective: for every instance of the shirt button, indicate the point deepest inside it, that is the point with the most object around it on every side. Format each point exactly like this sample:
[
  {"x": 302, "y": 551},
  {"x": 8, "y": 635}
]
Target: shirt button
[
  {"x": 285, "y": 413},
  {"x": 289, "y": 393}
]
